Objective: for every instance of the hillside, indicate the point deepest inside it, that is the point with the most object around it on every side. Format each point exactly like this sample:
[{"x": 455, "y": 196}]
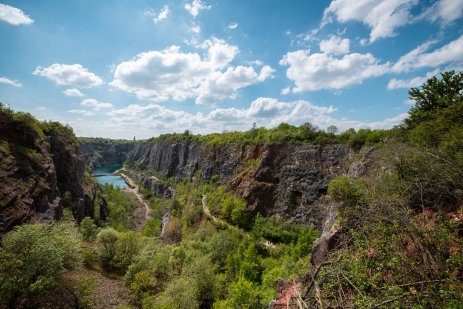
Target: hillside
[{"x": 41, "y": 172}]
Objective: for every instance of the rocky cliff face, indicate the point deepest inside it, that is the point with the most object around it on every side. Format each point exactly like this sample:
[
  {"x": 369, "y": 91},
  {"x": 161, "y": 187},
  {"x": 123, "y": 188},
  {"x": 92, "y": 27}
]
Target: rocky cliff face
[
  {"x": 289, "y": 180},
  {"x": 37, "y": 168},
  {"x": 99, "y": 152},
  {"x": 28, "y": 183}
]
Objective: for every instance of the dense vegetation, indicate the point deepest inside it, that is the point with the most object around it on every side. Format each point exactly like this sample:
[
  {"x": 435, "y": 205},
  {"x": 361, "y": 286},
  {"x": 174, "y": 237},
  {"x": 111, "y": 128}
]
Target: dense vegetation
[
  {"x": 404, "y": 242},
  {"x": 305, "y": 133},
  {"x": 197, "y": 262},
  {"x": 401, "y": 246}
]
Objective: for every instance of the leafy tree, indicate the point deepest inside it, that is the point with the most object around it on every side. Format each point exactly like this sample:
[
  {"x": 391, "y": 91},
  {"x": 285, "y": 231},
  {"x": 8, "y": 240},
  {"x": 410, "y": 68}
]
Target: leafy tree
[
  {"x": 88, "y": 229},
  {"x": 31, "y": 256},
  {"x": 107, "y": 238},
  {"x": 244, "y": 294},
  {"x": 332, "y": 129},
  {"x": 128, "y": 245},
  {"x": 434, "y": 95}
]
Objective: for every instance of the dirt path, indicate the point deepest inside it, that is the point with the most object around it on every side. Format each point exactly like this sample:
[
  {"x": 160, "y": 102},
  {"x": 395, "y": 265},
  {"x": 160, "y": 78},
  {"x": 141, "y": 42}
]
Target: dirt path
[
  {"x": 211, "y": 216},
  {"x": 266, "y": 243},
  {"x": 140, "y": 214},
  {"x": 104, "y": 292}
]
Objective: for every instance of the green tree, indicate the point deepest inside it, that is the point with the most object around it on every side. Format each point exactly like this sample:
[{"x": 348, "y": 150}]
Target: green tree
[
  {"x": 332, "y": 129},
  {"x": 31, "y": 256},
  {"x": 88, "y": 229},
  {"x": 434, "y": 95},
  {"x": 107, "y": 238},
  {"x": 128, "y": 245}
]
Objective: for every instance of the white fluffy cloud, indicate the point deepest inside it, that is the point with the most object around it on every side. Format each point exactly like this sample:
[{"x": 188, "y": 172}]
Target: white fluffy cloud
[
  {"x": 419, "y": 58},
  {"x": 173, "y": 74},
  {"x": 14, "y": 15},
  {"x": 158, "y": 16},
  {"x": 150, "y": 120},
  {"x": 409, "y": 83},
  {"x": 82, "y": 112},
  {"x": 95, "y": 105},
  {"x": 73, "y": 92},
  {"x": 335, "y": 45},
  {"x": 69, "y": 75},
  {"x": 444, "y": 11},
  {"x": 7, "y": 81},
  {"x": 195, "y": 7},
  {"x": 318, "y": 71},
  {"x": 383, "y": 17}
]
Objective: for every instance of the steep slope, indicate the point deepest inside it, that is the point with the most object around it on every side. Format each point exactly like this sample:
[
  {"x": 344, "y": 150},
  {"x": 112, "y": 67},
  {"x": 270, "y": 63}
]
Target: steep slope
[
  {"x": 29, "y": 190},
  {"x": 39, "y": 164},
  {"x": 100, "y": 151},
  {"x": 285, "y": 179}
]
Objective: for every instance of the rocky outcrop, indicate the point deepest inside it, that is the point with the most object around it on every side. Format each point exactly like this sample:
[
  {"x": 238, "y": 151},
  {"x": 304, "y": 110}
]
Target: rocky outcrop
[
  {"x": 99, "y": 152},
  {"x": 28, "y": 183},
  {"x": 39, "y": 164},
  {"x": 151, "y": 183},
  {"x": 284, "y": 179}
]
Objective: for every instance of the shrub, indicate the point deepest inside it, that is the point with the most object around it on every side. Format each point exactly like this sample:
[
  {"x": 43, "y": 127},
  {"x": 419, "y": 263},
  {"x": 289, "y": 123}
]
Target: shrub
[
  {"x": 31, "y": 256},
  {"x": 128, "y": 245},
  {"x": 107, "y": 238},
  {"x": 88, "y": 229}
]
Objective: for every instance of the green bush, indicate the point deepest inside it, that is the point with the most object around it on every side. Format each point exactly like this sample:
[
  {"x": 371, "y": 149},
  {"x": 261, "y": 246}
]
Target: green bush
[
  {"x": 31, "y": 257},
  {"x": 88, "y": 229},
  {"x": 107, "y": 239}
]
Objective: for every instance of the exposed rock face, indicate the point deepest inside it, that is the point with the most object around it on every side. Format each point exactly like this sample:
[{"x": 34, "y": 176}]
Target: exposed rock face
[
  {"x": 28, "y": 182},
  {"x": 274, "y": 179},
  {"x": 153, "y": 184},
  {"x": 99, "y": 152},
  {"x": 36, "y": 169}
]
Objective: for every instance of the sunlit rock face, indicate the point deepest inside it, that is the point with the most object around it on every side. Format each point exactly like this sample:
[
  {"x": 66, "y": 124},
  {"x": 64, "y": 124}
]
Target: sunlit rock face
[
  {"x": 286, "y": 179},
  {"x": 36, "y": 170}
]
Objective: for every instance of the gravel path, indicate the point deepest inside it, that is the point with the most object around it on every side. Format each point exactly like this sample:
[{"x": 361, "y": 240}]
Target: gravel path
[{"x": 141, "y": 214}]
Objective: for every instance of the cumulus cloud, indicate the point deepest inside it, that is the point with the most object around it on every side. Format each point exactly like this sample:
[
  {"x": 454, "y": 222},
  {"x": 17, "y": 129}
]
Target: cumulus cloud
[
  {"x": 7, "y": 81},
  {"x": 69, "y": 75},
  {"x": 173, "y": 74},
  {"x": 14, "y": 16},
  {"x": 40, "y": 108},
  {"x": 232, "y": 26},
  {"x": 444, "y": 11},
  {"x": 153, "y": 119},
  {"x": 158, "y": 16},
  {"x": 409, "y": 83},
  {"x": 73, "y": 92},
  {"x": 95, "y": 105},
  {"x": 285, "y": 90},
  {"x": 383, "y": 17},
  {"x": 195, "y": 7},
  {"x": 318, "y": 71},
  {"x": 82, "y": 112},
  {"x": 335, "y": 45},
  {"x": 419, "y": 57}
]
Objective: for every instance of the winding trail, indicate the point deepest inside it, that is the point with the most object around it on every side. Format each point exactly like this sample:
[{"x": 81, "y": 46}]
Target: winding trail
[
  {"x": 133, "y": 190},
  {"x": 266, "y": 243}
]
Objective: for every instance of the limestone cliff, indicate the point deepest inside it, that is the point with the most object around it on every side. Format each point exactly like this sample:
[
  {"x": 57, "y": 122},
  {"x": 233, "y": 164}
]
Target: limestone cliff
[
  {"x": 100, "y": 151},
  {"x": 286, "y": 179},
  {"x": 39, "y": 163}
]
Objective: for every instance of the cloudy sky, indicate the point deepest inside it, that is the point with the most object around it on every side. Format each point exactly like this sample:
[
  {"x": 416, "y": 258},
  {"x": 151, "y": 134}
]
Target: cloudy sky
[{"x": 141, "y": 68}]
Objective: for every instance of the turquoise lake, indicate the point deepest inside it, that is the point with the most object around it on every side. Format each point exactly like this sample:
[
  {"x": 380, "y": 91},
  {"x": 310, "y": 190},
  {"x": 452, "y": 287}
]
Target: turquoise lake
[{"x": 105, "y": 174}]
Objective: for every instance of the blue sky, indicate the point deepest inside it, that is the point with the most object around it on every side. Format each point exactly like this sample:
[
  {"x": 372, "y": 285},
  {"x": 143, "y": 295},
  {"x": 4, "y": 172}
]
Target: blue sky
[{"x": 124, "y": 68}]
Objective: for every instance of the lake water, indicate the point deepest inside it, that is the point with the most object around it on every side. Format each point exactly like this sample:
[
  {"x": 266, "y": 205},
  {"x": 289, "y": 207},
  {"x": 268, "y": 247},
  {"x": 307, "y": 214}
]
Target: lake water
[{"x": 105, "y": 174}]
